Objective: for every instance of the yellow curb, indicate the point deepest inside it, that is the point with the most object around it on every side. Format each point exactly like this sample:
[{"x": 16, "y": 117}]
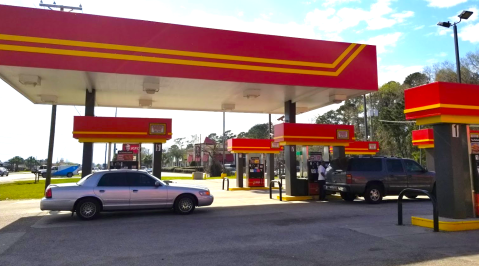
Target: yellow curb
[
  {"x": 250, "y": 188},
  {"x": 446, "y": 226},
  {"x": 295, "y": 198}
]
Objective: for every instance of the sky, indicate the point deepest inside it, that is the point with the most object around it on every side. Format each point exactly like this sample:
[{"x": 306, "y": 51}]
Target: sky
[{"x": 404, "y": 32}]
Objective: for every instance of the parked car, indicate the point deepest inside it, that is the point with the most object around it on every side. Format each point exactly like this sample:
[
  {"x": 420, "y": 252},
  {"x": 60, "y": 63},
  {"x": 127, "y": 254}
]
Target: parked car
[
  {"x": 3, "y": 171},
  {"x": 116, "y": 190},
  {"x": 62, "y": 170},
  {"x": 375, "y": 177}
]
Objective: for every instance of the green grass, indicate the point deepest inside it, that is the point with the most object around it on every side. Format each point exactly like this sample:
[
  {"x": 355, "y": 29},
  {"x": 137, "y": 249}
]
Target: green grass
[{"x": 29, "y": 190}]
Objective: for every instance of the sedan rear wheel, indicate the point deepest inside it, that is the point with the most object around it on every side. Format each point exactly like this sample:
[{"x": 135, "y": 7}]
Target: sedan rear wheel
[
  {"x": 88, "y": 209},
  {"x": 185, "y": 204}
]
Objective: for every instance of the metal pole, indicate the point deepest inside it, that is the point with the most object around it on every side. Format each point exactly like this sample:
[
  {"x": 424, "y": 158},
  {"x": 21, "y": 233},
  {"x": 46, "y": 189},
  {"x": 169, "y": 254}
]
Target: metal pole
[
  {"x": 458, "y": 63},
  {"x": 106, "y": 145},
  {"x": 50, "y": 146},
  {"x": 224, "y": 139},
  {"x": 365, "y": 118},
  {"x": 269, "y": 126},
  {"x": 114, "y": 145},
  {"x": 109, "y": 156}
]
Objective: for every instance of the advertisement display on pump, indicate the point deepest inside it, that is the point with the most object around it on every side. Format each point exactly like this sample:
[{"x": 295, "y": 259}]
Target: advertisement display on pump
[{"x": 256, "y": 172}]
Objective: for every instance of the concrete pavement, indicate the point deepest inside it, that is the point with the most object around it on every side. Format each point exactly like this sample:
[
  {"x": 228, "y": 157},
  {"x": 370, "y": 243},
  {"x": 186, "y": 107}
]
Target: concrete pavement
[{"x": 241, "y": 228}]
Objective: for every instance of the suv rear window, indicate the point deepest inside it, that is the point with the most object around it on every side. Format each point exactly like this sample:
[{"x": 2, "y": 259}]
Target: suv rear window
[
  {"x": 365, "y": 164},
  {"x": 339, "y": 164}
]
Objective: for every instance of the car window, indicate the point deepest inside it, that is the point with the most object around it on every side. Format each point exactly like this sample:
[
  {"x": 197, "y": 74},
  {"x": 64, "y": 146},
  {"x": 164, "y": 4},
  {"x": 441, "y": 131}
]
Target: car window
[
  {"x": 365, "y": 164},
  {"x": 394, "y": 166},
  {"x": 412, "y": 166},
  {"x": 339, "y": 164},
  {"x": 113, "y": 180},
  {"x": 140, "y": 180},
  {"x": 83, "y": 179}
]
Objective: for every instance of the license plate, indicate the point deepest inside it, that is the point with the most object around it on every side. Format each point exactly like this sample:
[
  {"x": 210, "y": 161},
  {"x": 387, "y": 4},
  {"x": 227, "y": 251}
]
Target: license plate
[{"x": 335, "y": 188}]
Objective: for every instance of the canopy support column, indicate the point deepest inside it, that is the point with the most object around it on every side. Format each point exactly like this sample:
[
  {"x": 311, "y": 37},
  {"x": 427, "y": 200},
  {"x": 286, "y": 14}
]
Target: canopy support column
[
  {"x": 269, "y": 168},
  {"x": 87, "y": 160},
  {"x": 430, "y": 159},
  {"x": 339, "y": 152},
  {"x": 453, "y": 178},
  {"x": 157, "y": 154},
  {"x": 240, "y": 162}
]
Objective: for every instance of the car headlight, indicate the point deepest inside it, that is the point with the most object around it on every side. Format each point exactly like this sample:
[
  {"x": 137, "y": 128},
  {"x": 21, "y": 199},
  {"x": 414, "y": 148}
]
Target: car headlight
[{"x": 205, "y": 193}]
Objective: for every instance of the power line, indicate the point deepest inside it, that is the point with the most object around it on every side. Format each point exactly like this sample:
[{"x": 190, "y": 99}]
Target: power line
[
  {"x": 77, "y": 110},
  {"x": 398, "y": 122}
]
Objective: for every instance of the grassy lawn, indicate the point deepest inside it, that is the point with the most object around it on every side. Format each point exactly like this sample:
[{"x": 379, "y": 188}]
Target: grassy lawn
[{"x": 29, "y": 190}]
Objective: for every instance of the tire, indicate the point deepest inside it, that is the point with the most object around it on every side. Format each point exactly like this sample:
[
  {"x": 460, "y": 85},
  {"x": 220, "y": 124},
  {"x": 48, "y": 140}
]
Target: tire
[
  {"x": 411, "y": 196},
  {"x": 374, "y": 194},
  {"x": 44, "y": 175},
  {"x": 69, "y": 174},
  {"x": 7, "y": 174},
  {"x": 88, "y": 209},
  {"x": 348, "y": 196},
  {"x": 185, "y": 204}
]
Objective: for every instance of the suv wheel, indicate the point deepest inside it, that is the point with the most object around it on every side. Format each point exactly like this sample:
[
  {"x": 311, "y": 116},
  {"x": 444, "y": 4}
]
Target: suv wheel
[
  {"x": 69, "y": 174},
  {"x": 348, "y": 196},
  {"x": 44, "y": 175},
  {"x": 373, "y": 194}
]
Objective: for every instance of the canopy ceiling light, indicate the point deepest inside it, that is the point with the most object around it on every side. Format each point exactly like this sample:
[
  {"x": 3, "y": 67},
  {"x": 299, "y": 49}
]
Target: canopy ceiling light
[
  {"x": 251, "y": 93},
  {"x": 51, "y": 99},
  {"x": 145, "y": 103},
  {"x": 30, "y": 80},
  {"x": 228, "y": 106},
  {"x": 151, "y": 86}
]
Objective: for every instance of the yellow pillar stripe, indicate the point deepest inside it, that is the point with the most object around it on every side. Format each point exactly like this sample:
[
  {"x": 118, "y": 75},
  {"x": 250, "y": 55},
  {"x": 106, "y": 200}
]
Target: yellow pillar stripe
[
  {"x": 175, "y": 52},
  {"x": 443, "y": 105},
  {"x": 422, "y": 140},
  {"x": 453, "y": 119},
  {"x": 108, "y": 133},
  {"x": 40, "y": 50},
  {"x": 302, "y": 137}
]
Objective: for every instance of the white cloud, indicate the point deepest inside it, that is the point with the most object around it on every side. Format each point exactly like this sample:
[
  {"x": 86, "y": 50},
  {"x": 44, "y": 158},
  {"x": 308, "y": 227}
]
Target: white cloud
[
  {"x": 379, "y": 16},
  {"x": 396, "y": 73},
  {"x": 444, "y": 31},
  {"x": 336, "y": 2},
  {"x": 442, "y": 54},
  {"x": 419, "y": 27},
  {"x": 431, "y": 61},
  {"x": 240, "y": 14},
  {"x": 444, "y": 3},
  {"x": 383, "y": 42},
  {"x": 470, "y": 33}
]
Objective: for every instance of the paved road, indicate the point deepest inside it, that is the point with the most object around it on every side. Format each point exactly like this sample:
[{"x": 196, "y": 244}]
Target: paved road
[{"x": 241, "y": 228}]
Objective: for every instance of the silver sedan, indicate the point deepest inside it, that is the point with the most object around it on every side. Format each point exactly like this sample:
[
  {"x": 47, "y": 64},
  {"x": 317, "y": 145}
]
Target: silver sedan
[{"x": 123, "y": 190}]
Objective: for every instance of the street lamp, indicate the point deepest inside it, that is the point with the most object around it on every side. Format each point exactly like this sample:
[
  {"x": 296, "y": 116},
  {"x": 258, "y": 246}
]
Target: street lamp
[{"x": 464, "y": 15}]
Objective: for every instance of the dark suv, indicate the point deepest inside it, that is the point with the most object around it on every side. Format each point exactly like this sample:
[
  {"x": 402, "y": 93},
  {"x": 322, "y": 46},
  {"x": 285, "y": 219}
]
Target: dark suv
[{"x": 375, "y": 177}]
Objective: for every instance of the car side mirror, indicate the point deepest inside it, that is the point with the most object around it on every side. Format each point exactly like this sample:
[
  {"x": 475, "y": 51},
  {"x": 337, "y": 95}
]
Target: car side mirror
[{"x": 157, "y": 183}]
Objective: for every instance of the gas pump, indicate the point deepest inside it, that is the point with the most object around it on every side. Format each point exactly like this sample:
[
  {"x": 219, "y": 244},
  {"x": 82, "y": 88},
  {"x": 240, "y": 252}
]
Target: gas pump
[
  {"x": 256, "y": 173},
  {"x": 314, "y": 161}
]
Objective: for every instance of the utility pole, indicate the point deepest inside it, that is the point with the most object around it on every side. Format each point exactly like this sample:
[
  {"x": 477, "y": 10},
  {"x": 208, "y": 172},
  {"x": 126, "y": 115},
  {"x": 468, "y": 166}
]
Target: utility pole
[{"x": 365, "y": 118}]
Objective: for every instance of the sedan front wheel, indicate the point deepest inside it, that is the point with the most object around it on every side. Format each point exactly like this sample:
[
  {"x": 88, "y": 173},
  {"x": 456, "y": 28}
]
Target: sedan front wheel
[{"x": 185, "y": 204}]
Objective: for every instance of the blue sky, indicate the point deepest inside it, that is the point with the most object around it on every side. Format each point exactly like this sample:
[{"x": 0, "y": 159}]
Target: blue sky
[{"x": 404, "y": 32}]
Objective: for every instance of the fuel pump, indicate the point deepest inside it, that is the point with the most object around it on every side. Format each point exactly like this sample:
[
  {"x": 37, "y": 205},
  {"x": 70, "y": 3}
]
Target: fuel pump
[
  {"x": 256, "y": 173},
  {"x": 314, "y": 161}
]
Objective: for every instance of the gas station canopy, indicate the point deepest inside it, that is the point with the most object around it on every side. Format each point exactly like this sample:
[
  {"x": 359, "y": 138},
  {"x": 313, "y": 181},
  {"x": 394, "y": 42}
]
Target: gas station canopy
[
  {"x": 52, "y": 57},
  {"x": 442, "y": 102},
  {"x": 253, "y": 146},
  {"x": 313, "y": 134},
  {"x": 423, "y": 138},
  {"x": 121, "y": 130},
  {"x": 361, "y": 148}
]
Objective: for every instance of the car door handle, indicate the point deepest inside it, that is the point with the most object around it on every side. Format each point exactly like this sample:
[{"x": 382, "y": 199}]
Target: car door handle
[
  {"x": 102, "y": 191},
  {"x": 135, "y": 190}
]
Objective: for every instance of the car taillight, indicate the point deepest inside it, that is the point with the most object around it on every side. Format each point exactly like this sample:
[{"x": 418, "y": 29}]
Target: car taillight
[
  {"x": 48, "y": 193},
  {"x": 349, "y": 179}
]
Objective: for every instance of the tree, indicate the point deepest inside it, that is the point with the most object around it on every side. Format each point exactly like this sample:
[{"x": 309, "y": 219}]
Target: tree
[
  {"x": 31, "y": 162},
  {"x": 15, "y": 161},
  {"x": 258, "y": 131},
  {"x": 147, "y": 160},
  {"x": 176, "y": 153},
  {"x": 416, "y": 79}
]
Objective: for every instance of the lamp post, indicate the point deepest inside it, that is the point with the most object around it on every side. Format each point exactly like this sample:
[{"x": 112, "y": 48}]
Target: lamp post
[{"x": 464, "y": 15}]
